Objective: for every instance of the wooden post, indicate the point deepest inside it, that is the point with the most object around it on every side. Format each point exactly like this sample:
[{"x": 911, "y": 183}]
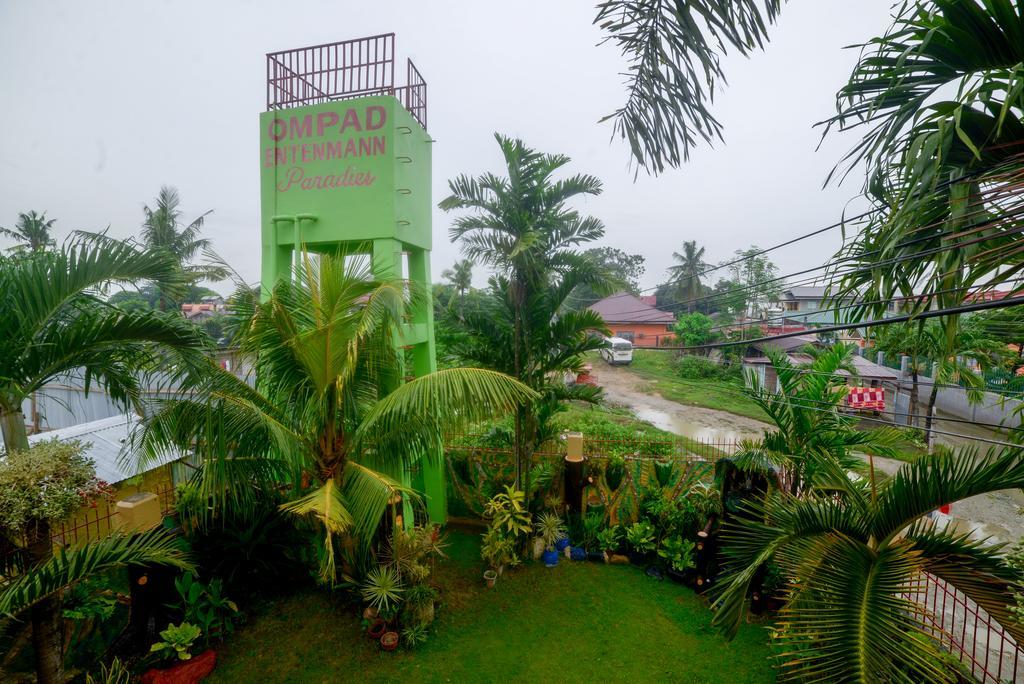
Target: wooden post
[{"x": 574, "y": 471}]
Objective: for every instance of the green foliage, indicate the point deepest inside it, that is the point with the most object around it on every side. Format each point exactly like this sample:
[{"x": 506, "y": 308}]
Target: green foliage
[
  {"x": 809, "y": 440},
  {"x": 641, "y": 536},
  {"x": 114, "y": 673},
  {"x": 176, "y": 641},
  {"x": 550, "y": 528},
  {"x": 507, "y": 512},
  {"x": 694, "y": 329},
  {"x": 677, "y": 552},
  {"x": 522, "y": 226},
  {"x": 205, "y": 606},
  {"x": 499, "y": 548},
  {"x": 615, "y": 472},
  {"x": 699, "y": 368},
  {"x": 415, "y": 635},
  {"x": 663, "y": 472},
  {"x": 330, "y": 416},
  {"x": 69, "y": 566},
  {"x": 383, "y": 589},
  {"x": 609, "y": 538},
  {"x": 623, "y": 271},
  {"x": 675, "y": 54},
  {"x": 49, "y": 481},
  {"x": 33, "y": 233},
  {"x": 412, "y": 552},
  {"x": 851, "y": 551}
]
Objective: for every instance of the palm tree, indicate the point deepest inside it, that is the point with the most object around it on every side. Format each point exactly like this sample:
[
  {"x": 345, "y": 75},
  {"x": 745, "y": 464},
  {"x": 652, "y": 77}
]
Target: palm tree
[
  {"x": 675, "y": 50},
  {"x": 558, "y": 340},
  {"x": 811, "y": 437},
  {"x": 521, "y": 226},
  {"x": 54, "y": 327},
  {"x": 164, "y": 229},
  {"x": 460, "y": 275},
  {"x": 852, "y": 554},
  {"x": 952, "y": 346},
  {"x": 33, "y": 232},
  {"x": 687, "y": 273},
  {"x": 328, "y": 419}
]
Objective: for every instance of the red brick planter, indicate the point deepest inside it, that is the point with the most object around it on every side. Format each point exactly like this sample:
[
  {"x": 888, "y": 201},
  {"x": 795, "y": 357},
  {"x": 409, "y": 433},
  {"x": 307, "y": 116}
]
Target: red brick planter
[{"x": 186, "y": 672}]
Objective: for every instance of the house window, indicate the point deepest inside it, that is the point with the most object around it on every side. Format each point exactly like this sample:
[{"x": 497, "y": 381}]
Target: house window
[{"x": 625, "y": 334}]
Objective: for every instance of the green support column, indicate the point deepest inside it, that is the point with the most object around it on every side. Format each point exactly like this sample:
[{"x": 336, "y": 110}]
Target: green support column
[{"x": 424, "y": 361}]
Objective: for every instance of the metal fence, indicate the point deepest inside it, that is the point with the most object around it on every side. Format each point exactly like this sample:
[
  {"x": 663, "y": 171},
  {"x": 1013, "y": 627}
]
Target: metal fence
[
  {"x": 967, "y": 631},
  {"x": 343, "y": 71}
]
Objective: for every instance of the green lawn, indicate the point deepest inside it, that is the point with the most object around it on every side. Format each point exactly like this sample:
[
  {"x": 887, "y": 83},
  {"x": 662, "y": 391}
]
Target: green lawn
[
  {"x": 576, "y": 622},
  {"x": 720, "y": 395}
]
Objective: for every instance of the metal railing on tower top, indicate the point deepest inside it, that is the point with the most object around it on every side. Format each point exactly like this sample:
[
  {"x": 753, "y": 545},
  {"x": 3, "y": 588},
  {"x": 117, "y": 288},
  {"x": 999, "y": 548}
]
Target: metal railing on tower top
[{"x": 343, "y": 71}]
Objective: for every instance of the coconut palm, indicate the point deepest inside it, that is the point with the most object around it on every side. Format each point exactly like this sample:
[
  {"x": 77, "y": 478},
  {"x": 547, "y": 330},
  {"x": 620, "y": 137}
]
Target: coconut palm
[
  {"x": 165, "y": 230},
  {"x": 32, "y": 231},
  {"x": 687, "y": 273},
  {"x": 851, "y": 556},
  {"x": 328, "y": 419},
  {"x": 522, "y": 227},
  {"x": 675, "y": 52},
  {"x": 811, "y": 437},
  {"x": 55, "y": 327},
  {"x": 460, "y": 276}
]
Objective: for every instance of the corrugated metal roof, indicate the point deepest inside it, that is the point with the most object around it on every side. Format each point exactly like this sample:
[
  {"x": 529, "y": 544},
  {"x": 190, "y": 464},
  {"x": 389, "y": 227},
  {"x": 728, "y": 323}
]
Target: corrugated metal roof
[
  {"x": 626, "y": 308},
  {"x": 104, "y": 440},
  {"x": 807, "y": 291}
]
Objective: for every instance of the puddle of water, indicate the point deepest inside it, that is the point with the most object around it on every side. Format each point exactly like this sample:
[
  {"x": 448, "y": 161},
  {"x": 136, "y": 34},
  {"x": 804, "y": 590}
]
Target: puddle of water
[
  {"x": 988, "y": 533},
  {"x": 686, "y": 428}
]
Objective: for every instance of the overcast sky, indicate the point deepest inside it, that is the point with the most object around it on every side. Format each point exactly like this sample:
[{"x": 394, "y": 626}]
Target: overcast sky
[{"x": 103, "y": 102}]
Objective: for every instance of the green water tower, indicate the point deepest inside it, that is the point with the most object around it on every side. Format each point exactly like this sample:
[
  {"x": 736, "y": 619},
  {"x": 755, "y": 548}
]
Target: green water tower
[{"x": 345, "y": 162}]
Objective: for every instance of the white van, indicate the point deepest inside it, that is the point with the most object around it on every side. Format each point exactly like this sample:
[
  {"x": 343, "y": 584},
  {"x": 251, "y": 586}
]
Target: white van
[{"x": 617, "y": 351}]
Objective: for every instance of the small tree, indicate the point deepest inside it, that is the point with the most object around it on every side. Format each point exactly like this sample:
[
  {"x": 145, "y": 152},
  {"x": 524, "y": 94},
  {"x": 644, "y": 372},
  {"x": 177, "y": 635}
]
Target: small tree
[
  {"x": 40, "y": 487},
  {"x": 694, "y": 329}
]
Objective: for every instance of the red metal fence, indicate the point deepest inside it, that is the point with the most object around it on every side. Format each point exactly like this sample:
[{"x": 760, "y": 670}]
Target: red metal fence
[
  {"x": 967, "y": 631},
  {"x": 343, "y": 71}
]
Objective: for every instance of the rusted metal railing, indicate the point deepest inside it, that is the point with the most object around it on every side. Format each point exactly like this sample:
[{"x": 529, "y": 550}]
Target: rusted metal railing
[
  {"x": 342, "y": 71},
  {"x": 967, "y": 631}
]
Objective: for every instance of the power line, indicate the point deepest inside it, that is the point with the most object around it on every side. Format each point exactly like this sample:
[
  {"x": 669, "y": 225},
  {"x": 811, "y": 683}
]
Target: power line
[
  {"x": 966, "y": 308},
  {"x": 920, "y": 416}
]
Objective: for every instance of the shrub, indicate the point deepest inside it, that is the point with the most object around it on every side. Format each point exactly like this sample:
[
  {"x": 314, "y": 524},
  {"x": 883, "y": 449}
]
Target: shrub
[{"x": 700, "y": 368}]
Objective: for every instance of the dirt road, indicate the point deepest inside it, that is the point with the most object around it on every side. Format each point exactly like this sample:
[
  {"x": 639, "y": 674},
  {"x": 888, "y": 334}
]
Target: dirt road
[
  {"x": 992, "y": 516},
  {"x": 625, "y": 388}
]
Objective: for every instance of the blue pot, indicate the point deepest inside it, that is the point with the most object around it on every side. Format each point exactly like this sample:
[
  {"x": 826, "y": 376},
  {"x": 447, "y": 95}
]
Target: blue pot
[
  {"x": 550, "y": 558},
  {"x": 578, "y": 554},
  {"x": 561, "y": 544}
]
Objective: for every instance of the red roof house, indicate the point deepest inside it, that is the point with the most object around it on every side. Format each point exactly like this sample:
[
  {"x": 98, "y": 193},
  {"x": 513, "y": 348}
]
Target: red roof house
[{"x": 633, "y": 319}]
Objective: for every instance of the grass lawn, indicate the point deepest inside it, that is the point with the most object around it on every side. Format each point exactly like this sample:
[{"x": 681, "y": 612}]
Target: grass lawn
[
  {"x": 721, "y": 395},
  {"x": 576, "y": 622}
]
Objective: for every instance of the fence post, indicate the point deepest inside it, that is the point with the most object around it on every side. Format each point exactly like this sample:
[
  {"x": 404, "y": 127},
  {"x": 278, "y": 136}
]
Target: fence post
[
  {"x": 880, "y": 358},
  {"x": 574, "y": 471}
]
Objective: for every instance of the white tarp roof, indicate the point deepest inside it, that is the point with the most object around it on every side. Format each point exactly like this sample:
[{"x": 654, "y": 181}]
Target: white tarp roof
[{"x": 104, "y": 440}]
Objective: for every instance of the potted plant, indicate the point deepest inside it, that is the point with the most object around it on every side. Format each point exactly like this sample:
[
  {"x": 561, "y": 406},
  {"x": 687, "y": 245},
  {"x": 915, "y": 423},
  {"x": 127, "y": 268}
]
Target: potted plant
[
  {"x": 615, "y": 472},
  {"x": 419, "y": 602},
  {"x": 383, "y": 590},
  {"x": 389, "y": 641},
  {"x": 498, "y": 550},
  {"x": 608, "y": 541},
  {"x": 678, "y": 555},
  {"x": 663, "y": 472},
  {"x": 640, "y": 537},
  {"x": 414, "y": 636},
  {"x": 175, "y": 646},
  {"x": 490, "y": 577},
  {"x": 550, "y": 530},
  {"x": 377, "y": 628}
]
